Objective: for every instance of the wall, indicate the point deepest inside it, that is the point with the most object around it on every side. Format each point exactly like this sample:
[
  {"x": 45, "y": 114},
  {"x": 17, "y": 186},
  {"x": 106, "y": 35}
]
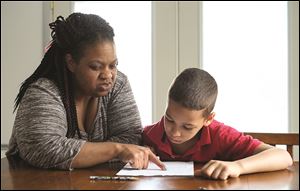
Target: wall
[
  {"x": 24, "y": 34},
  {"x": 21, "y": 53},
  {"x": 176, "y": 45},
  {"x": 293, "y": 54}
]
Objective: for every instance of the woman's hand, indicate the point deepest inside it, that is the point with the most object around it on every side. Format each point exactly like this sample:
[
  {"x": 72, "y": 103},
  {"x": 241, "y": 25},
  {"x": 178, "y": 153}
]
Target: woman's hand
[
  {"x": 138, "y": 156},
  {"x": 152, "y": 149},
  {"x": 216, "y": 169}
]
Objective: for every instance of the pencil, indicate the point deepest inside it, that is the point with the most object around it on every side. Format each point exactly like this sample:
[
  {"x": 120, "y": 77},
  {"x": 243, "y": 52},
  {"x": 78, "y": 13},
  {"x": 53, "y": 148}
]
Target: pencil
[{"x": 112, "y": 178}]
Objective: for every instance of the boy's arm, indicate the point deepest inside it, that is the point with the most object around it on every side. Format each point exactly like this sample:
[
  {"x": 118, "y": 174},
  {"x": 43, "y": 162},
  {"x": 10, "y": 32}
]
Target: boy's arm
[{"x": 263, "y": 154}]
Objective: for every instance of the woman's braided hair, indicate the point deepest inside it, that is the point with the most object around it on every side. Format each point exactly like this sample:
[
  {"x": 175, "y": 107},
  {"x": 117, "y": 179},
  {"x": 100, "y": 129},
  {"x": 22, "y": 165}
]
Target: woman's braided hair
[{"x": 71, "y": 36}]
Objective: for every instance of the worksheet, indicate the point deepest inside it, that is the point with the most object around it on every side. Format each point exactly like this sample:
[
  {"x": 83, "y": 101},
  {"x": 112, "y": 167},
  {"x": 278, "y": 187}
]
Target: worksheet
[{"x": 174, "y": 168}]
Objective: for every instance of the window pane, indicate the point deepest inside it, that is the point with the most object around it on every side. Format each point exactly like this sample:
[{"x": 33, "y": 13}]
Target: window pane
[
  {"x": 132, "y": 26},
  {"x": 245, "y": 49}
]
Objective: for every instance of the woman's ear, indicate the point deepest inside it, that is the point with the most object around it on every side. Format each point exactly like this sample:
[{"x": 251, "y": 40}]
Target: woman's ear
[
  {"x": 70, "y": 63},
  {"x": 209, "y": 119}
]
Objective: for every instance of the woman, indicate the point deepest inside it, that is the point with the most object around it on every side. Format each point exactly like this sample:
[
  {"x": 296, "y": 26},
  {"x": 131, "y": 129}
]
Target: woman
[{"x": 76, "y": 110}]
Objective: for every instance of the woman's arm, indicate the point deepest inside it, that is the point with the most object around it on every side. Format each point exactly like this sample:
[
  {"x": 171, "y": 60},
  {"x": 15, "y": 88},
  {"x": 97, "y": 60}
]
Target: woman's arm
[
  {"x": 40, "y": 128},
  {"x": 95, "y": 153},
  {"x": 123, "y": 118}
]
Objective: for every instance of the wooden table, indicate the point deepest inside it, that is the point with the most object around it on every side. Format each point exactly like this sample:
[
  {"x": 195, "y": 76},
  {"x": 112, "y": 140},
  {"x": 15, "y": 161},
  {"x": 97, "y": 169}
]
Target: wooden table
[{"x": 17, "y": 174}]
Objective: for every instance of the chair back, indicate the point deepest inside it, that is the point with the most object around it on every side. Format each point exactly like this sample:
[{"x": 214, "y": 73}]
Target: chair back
[{"x": 288, "y": 139}]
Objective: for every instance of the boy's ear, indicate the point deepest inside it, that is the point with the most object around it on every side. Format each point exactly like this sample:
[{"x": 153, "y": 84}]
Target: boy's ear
[
  {"x": 209, "y": 119},
  {"x": 70, "y": 63}
]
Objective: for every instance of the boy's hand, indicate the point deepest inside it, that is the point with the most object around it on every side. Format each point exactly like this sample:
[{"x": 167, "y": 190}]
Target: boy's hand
[{"x": 216, "y": 169}]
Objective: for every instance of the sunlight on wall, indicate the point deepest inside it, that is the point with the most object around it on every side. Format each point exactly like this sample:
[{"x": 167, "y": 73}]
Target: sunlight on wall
[{"x": 245, "y": 49}]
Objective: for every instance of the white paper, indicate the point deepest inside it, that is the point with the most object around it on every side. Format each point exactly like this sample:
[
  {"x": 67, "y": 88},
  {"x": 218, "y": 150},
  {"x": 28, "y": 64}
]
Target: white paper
[{"x": 174, "y": 168}]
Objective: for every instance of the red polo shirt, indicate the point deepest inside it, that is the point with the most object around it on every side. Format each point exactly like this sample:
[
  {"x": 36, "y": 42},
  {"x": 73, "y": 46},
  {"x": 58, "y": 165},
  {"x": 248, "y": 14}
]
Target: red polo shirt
[{"x": 215, "y": 142}]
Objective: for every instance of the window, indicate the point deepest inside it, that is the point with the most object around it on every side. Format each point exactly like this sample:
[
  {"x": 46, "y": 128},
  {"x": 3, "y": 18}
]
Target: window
[
  {"x": 131, "y": 22},
  {"x": 245, "y": 49}
]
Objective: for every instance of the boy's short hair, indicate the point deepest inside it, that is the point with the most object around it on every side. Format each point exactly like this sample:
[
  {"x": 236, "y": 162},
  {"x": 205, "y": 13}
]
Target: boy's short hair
[{"x": 195, "y": 89}]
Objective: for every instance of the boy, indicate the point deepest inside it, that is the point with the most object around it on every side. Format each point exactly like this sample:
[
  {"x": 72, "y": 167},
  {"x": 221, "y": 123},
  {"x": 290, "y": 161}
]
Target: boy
[{"x": 189, "y": 132}]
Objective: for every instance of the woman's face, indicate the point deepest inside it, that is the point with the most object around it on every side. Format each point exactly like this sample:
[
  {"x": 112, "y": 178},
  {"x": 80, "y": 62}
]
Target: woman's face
[{"x": 95, "y": 74}]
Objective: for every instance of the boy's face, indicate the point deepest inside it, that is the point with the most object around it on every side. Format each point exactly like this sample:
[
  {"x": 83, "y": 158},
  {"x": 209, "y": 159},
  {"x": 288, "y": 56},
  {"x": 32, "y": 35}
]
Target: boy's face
[{"x": 182, "y": 124}]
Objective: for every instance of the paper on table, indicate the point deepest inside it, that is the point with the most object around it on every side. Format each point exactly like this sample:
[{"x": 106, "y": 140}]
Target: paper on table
[{"x": 174, "y": 168}]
